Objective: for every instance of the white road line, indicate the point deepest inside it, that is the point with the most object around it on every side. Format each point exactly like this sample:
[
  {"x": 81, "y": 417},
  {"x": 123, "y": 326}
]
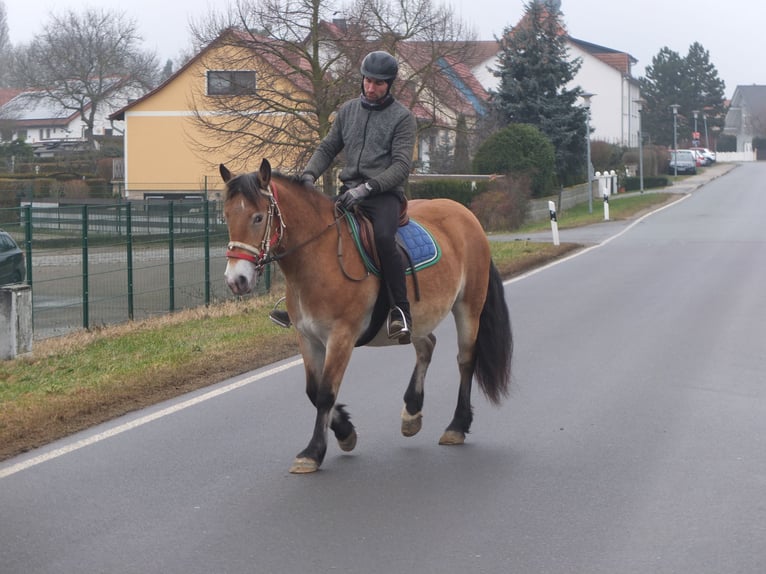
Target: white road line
[
  {"x": 592, "y": 247},
  {"x": 5, "y": 472}
]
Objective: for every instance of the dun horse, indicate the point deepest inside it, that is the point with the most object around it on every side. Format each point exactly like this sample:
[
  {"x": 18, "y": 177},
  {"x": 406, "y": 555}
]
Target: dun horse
[{"x": 331, "y": 297}]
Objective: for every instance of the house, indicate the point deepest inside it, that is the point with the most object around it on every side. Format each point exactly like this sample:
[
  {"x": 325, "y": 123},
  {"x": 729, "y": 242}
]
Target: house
[
  {"x": 606, "y": 73},
  {"x": 171, "y": 141},
  {"x": 48, "y": 126},
  {"x": 746, "y": 117},
  {"x": 441, "y": 93}
]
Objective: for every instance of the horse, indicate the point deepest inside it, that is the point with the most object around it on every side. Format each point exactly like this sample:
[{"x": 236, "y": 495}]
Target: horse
[{"x": 331, "y": 296}]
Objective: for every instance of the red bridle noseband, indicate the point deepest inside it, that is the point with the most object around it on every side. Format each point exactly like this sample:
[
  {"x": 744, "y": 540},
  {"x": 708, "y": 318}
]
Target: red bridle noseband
[{"x": 261, "y": 256}]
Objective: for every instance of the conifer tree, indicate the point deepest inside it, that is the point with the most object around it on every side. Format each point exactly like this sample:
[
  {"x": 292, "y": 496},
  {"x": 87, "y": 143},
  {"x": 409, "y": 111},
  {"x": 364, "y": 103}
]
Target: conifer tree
[
  {"x": 692, "y": 83},
  {"x": 535, "y": 70}
]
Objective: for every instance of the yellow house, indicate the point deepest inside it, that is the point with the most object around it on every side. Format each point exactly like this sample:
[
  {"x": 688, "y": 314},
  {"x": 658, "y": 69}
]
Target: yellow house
[{"x": 173, "y": 143}]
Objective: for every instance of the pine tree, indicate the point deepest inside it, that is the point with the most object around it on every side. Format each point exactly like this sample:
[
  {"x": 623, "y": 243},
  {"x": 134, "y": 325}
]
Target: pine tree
[
  {"x": 661, "y": 88},
  {"x": 690, "y": 82},
  {"x": 703, "y": 89},
  {"x": 534, "y": 71}
]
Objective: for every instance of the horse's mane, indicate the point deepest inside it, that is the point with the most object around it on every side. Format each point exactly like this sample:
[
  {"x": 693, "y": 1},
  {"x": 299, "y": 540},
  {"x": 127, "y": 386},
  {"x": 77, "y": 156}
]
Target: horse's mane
[{"x": 248, "y": 184}]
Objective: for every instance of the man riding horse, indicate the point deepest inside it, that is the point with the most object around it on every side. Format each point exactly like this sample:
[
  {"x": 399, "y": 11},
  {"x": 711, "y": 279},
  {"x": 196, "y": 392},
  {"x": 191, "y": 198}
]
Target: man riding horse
[{"x": 377, "y": 134}]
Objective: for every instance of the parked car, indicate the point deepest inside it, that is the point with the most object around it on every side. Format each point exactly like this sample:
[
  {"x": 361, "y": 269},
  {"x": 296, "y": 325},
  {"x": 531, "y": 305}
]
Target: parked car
[
  {"x": 12, "y": 266},
  {"x": 707, "y": 155},
  {"x": 682, "y": 160},
  {"x": 701, "y": 161}
]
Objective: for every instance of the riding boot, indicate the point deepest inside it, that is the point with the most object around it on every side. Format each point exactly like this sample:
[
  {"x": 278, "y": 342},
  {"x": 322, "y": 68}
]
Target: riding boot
[
  {"x": 400, "y": 323},
  {"x": 279, "y": 316}
]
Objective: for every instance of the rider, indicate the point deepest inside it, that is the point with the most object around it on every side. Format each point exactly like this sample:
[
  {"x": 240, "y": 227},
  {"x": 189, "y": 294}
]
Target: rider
[{"x": 377, "y": 134}]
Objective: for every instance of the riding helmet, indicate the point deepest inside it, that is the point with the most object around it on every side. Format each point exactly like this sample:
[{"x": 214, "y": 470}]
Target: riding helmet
[{"x": 380, "y": 65}]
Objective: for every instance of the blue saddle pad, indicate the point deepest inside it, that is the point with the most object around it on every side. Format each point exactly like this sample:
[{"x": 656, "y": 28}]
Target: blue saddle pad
[{"x": 414, "y": 238}]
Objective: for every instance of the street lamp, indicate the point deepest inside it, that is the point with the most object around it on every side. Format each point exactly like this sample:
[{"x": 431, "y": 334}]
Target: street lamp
[
  {"x": 675, "y": 107},
  {"x": 639, "y": 106},
  {"x": 586, "y": 96}
]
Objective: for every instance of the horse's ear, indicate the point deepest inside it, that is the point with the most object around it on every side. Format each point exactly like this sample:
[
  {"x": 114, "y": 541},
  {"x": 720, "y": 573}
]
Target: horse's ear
[
  {"x": 264, "y": 172},
  {"x": 225, "y": 173}
]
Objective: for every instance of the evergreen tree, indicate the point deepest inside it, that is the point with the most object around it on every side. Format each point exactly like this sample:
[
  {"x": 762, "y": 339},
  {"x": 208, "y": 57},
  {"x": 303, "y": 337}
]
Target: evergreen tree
[
  {"x": 692, "y": 83},
  {"x": 534, "y": 71},
  {"x": 661, "y": 88},
  {"x": 462, "y": 160},
  {"x": 703, "y": 89}
]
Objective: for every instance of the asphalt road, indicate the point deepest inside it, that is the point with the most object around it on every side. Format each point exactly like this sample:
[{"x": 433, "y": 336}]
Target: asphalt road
[{"x": 633, "y": 442}]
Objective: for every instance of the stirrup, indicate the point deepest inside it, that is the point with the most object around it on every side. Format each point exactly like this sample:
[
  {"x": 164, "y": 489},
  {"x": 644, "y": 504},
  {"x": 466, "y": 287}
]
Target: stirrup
[
  {"x": 279, "y": 316},
  {"x": 397, "y": 327}
]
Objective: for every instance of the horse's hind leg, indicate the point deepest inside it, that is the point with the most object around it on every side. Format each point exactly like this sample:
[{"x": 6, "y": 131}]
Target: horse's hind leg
[
  {"x": 461, "y": 421},
  {"x": 412, "y": 413},
  {"x": 343, "y": 428},
  {"x": 466, "y": 360}
]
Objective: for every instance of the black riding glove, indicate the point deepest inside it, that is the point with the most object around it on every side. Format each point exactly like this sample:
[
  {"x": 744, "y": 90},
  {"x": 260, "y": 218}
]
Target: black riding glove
[
  {"x": 308, "y": 179},
  {"x": 349, "y": 198}
]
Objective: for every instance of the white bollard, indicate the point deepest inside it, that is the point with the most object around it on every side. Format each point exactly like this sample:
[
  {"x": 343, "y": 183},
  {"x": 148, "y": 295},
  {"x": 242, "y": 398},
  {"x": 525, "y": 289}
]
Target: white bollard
[{"x": 554, "y": 222}]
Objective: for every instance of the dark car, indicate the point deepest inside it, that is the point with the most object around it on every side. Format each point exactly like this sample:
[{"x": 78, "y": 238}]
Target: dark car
[
  {"x": 684, "y": 161},
  {"x": 12, "y": 267}
]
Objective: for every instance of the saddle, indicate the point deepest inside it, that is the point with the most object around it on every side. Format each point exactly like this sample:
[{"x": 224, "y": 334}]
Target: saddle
[{"x": 416, "y": 245}]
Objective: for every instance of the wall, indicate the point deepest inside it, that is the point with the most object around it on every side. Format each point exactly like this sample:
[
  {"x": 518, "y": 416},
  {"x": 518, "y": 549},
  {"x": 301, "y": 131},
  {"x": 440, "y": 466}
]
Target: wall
[{"x": 733, "y": 156}]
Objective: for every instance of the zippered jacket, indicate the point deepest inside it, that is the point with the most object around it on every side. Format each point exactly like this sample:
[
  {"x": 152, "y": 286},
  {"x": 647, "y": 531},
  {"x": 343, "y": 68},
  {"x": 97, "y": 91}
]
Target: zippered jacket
[{"x": 378, "y": 145}]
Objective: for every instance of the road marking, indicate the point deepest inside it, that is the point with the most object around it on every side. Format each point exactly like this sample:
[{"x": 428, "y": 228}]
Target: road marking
[
  {"x": 5, "y": 472},
  {"x": 592, "y": 247}
]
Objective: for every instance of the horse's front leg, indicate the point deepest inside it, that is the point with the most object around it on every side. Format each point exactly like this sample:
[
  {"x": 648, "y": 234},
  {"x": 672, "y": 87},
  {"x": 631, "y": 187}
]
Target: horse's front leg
[
  {"x": 324, "y": 373},
  {"x": 412, "y": 413}
]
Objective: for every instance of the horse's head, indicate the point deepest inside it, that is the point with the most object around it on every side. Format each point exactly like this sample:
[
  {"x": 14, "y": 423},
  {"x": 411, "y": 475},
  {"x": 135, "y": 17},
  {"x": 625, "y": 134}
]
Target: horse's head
[{"x": 250, "y": 211}]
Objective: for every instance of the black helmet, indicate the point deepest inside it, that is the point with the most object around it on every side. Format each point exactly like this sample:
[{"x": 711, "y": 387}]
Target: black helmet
[{"x": 380, "y": 66}]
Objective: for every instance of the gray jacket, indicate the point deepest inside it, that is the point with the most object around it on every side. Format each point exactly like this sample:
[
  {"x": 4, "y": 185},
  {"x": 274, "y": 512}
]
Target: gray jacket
[{"x": 378, "y": 146}]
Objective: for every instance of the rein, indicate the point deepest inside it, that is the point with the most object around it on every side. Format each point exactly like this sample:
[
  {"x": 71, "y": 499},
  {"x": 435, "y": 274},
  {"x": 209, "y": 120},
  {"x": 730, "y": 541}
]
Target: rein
[{"x": 262, "y": 255}]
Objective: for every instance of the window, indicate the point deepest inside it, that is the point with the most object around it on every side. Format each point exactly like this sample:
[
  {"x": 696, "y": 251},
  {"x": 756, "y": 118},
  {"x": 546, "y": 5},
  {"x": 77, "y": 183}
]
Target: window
[{"x": 229, "y": 83}]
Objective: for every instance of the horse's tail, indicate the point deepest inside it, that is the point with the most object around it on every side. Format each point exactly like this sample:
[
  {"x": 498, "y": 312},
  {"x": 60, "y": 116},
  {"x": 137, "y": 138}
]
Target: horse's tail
[{"x": 494, "y": 342}]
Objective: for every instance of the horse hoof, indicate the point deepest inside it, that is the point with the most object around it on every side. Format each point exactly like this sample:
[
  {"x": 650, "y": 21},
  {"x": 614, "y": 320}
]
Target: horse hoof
[
  {"x": 348, "y": 443},
  {"x": 411, "y": 424},
  {"x": 304, "y": 466},
  {"x": 451, "y": 437}
]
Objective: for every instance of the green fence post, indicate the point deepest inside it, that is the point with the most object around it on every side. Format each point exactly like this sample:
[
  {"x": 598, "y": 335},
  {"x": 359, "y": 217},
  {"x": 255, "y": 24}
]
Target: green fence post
[
  {"x": 171, "y": 260},
  {"x": 85, "y": 319},
  {"x": 129, "y": 235},
  {"x": 207, "y": 249},
  {"x": 27, "y": 209}
]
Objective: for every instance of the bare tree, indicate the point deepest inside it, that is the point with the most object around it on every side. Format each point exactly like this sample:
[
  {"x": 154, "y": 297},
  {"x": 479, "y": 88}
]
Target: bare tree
[
  {"x": 306, "y": 54},
  {"x": 5, "y": 48},
  {"x": 84, "y": 62}
]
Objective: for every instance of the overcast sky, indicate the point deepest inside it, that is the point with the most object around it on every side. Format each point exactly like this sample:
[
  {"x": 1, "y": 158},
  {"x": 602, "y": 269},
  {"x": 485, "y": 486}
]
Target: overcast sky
[{"x": 730, "y": 31}]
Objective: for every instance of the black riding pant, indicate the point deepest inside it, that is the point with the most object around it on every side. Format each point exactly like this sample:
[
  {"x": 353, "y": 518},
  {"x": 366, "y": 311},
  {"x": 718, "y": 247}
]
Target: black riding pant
[{"x": 383, "y": 210}]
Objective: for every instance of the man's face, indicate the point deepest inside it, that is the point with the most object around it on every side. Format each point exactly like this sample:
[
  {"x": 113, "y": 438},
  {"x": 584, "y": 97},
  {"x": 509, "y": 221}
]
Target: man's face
[{"x": 374, "y": 89}]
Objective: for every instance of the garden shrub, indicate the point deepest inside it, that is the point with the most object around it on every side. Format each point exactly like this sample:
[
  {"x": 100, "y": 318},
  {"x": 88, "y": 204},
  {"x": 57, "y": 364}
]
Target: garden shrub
[{"x": 519, "y": 150}]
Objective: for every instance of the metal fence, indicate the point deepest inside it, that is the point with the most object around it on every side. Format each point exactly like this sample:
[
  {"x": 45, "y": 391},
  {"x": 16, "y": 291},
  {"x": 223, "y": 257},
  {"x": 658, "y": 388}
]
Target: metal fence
[{"x": 94, "y": 265}]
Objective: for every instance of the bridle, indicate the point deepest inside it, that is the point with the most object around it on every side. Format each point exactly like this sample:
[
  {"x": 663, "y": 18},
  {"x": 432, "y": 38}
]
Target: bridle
[
  {"x": 261, "y": 256},
  {"x": 266, "y": 253}
]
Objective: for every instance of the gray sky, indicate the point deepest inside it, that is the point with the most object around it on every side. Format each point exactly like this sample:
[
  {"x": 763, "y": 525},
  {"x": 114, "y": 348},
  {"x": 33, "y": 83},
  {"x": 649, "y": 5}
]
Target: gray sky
[{"x": 729, "y": 30}]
